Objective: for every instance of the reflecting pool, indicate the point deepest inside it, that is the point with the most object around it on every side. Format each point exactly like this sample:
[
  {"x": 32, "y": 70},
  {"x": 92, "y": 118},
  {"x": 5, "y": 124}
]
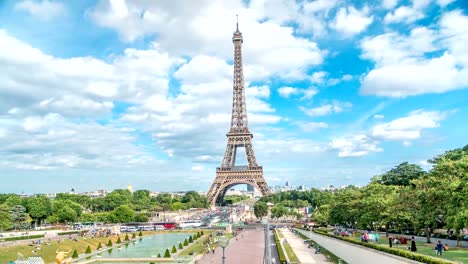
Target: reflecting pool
[{"x": 147, "y": 247}]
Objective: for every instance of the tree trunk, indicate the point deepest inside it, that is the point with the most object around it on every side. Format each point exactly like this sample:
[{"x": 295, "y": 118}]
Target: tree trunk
[
  {"x": 459, "y": 236},
  {"x": 428, "y": 235},
  {"x": 386, "y": 229}
]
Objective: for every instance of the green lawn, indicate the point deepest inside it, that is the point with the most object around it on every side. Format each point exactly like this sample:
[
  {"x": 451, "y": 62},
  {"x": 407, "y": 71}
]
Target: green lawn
[
  {"x": 289, "y": 251},
  {"x": 453, "y": 254},
  {"x": 197, "y": 247}
]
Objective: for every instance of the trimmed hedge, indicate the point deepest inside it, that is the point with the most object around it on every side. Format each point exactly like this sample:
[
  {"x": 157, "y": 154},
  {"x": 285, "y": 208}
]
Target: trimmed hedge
[
  {"x": 174, "y": 249},
  {"x": 75, "y": 254},
  {"x": 180, "y": 246},
  {"x": 126, "y": 237},
  {"x": 99, "y": 246},
  {"x": 21, "y": 238},
  {"x": 394, "y": 251},
  {"x": 281, "y": 254},
  {"x": 88, "y": 250},
  {"x": 167, "y": 254},
  {"x": 118, "y": 240},
  {"x": 70, "y": 233}
]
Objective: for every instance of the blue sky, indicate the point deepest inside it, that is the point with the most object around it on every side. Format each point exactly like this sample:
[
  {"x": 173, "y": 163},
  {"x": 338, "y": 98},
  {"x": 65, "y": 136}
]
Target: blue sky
[{"x": 100, "y": 94}]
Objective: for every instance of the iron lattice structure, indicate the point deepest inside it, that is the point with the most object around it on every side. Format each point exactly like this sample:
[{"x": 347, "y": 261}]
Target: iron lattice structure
[{"x": 238, "y": 136}]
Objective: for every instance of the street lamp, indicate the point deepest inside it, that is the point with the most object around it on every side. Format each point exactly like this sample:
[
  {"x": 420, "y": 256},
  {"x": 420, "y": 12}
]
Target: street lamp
[{"x": 223, "y": 242}]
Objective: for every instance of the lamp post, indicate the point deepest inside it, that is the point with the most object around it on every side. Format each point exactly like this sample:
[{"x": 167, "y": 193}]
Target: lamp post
[{"x": 223, "y": 242}]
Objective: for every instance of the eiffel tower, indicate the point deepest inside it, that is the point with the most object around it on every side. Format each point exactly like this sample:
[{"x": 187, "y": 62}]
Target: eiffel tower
[{"x": 229, "y": 175}]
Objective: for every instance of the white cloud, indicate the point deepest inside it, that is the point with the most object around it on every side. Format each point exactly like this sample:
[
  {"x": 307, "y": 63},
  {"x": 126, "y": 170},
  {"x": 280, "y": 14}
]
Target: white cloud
[
  {"x": 444, "y": 3},
  {"x": 347, "y": 77},
  {"x": 389, "y": 4},
  {"x": 355, "y": 146},
  {"x": 403, "y": 67},
  {"x": 44, "y": 10},
  {"x": 309, "y": 93},
  {"x": 407, "y": 14},
  {"x": 312, "y": 126},
  {"x": 269, "y": 48},
  {"x": 351, "y": 21},
  {"x": 287, "y": 91},
  {"x": 318, "y": 77},
  {"x": 407, "y": 128},
  {"x": 335, "y": 107},
  {"x": 378, "y": 116}
]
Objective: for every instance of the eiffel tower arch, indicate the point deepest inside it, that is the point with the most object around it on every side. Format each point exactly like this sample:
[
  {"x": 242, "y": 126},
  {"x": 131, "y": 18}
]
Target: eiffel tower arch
[{"x": 239, "y": 136}]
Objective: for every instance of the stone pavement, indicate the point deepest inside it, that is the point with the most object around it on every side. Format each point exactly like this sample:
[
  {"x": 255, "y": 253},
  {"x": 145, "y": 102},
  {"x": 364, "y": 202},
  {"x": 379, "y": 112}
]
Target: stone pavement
[
  {"x": 248, "y": 249},
  {"x": 303, "y": 253},
  {"x": 353, "y": 253}
]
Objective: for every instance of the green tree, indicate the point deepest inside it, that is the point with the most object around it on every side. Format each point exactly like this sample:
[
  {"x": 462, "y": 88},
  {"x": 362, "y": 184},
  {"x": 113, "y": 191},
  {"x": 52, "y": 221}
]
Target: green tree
[
  {"x": 66, "y": 214},
  {"x": 141, "y": 200},
  {"x": 122, "y": 214},
  {"x": 140, "y": 217},
  {"x": 140, "y": 234},
  {"x": 99, "y": 246},
  {"x": 126, "y": 238},
  {"x": 260, "y": 209},
  {"x": 109, "y": 243},
  {"x": 19, "y": 217},
  {"x": 174, "y": 249},
  {"x": 402, "y": 174},
  {"x": 88, "y": 250},
  {"x": 118, "y": 240},
  {"x": 6, "y": 221},
  {"x": 180, "y": 246},
  {"x": 159, "y": 255},
  {"x": 190, "y": 240},
  {"x": 75, "y": 254},
  {"x": 38, "y": 207},
  {"x": 185, "y": 243},
  {"x": 167, "y": 254}
]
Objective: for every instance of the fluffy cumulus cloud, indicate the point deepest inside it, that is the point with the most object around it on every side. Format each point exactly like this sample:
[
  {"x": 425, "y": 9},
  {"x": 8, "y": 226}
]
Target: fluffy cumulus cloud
[
  {"x": 409, "y": 127},
  {"x": 404, "y": 66},
  {"x": 351, "y": 21},
  {"x": 270, "y": 48},
  {"x": 44, "y": 10},
  {"x": 52, "y": 142},
  {"x": 404, "y": 129}
]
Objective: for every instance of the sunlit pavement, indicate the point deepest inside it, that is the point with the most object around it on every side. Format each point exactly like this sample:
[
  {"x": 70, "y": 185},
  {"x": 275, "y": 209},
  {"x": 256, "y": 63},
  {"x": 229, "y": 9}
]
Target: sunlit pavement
[
  {"x": 354, "y": 254},
  {"x": 248, "y": 249}
]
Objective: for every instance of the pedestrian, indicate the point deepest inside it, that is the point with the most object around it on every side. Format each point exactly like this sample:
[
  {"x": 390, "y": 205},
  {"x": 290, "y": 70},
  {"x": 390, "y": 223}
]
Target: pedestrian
[
  {"x": 413, "y": 244},
  {"x": 390, "y": 241},
  {"x": 439, "y": 247}
]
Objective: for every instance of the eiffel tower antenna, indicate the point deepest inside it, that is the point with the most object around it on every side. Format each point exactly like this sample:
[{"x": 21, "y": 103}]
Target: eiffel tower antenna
[
  {"x": 237, "y": 22},
  {"x": 229, "y": 174}
]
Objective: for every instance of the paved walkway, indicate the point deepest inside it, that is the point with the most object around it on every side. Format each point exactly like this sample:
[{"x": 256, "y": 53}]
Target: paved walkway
[
  {"x": 303, "y": 253},
  {"x": 248, "y": 249},
  {"x": 353, "y": 253}
]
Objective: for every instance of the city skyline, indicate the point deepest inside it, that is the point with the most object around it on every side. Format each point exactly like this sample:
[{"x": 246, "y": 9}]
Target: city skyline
[{"x": 99, "y": 95}]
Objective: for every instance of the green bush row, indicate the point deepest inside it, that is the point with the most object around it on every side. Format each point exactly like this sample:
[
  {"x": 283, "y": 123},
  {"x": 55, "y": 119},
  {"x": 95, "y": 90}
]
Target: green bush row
[
  {"x": 69, "y": 233},
  {"x": 332, "y": 257},
  {"x": 21, "y": 238},
  {"x": 281, "y": 254},
  {"x": 394, "y": 251}
]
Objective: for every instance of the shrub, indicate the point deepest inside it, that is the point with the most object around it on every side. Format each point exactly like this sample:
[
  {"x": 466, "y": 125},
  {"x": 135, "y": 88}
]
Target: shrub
[
  {"x": 159, "y": 255},
  {"x": 198, "y": 234},
  {"x": 99, "y": 246},
  {"x": 109, "y": 244},
  {"x": 75, "y": 254},
  {"x": 394, "y": 251},
  {"x": 140, "y": 234},
  {"x": 185, "y": 243},
  {"x": 88, "y": 250},
  {"x": 202, "y": 233},
  {"x": 190, "y": 239},
  {"x": 167, "y": 254},
  {"x": 118, "y": 240},
  {"x": 126, "y": 237},
  {"x": 174, "y": 249},
  {"x": 22, "y": 237},
  {"x": 133, "y": 235},
  {"x": 180, "y": 246},
  {"x": 151, "y": 263}
]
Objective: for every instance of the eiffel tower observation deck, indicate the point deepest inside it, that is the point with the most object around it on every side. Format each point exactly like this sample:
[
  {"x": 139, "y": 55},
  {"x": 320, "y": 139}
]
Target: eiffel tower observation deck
[{"x": 239, "y": 136}]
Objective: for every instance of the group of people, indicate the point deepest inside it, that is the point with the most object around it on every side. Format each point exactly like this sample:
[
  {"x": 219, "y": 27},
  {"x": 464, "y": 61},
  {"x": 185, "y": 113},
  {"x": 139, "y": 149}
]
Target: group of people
[{"x": 403, "y": 240}]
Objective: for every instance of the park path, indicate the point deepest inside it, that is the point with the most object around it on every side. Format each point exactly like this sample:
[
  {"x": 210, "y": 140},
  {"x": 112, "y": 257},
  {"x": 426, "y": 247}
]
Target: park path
[
  {"x": 353, "y": 253},
  {"x": 303, "y": 253},
  {"x": 249, "y": 248}
]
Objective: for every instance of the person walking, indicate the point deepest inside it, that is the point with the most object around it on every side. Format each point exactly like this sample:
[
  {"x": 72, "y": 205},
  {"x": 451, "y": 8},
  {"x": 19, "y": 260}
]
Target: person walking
[
  {"x": 439, "y": 248},
  {"x": 390, "y": 239},
  {"x": 413, "y": 244}
]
